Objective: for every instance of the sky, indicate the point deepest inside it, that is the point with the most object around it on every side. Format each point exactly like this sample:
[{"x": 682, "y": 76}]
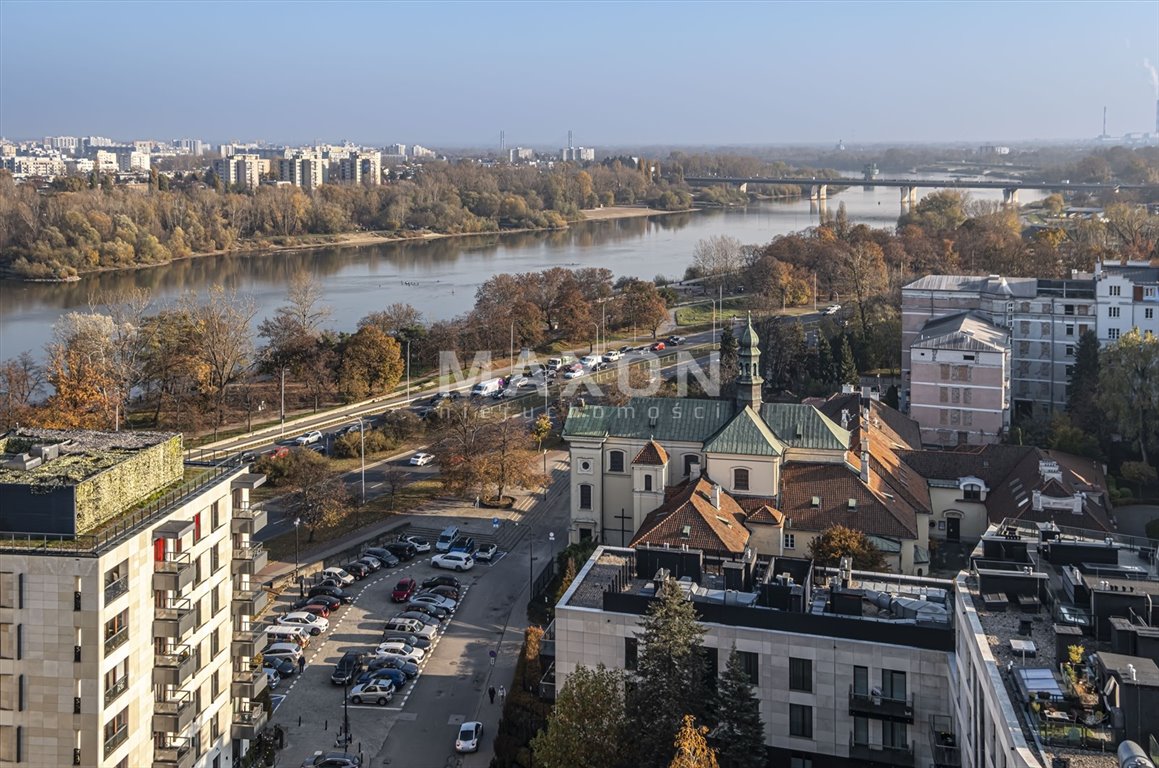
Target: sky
[{"x": 617, "y": 74}]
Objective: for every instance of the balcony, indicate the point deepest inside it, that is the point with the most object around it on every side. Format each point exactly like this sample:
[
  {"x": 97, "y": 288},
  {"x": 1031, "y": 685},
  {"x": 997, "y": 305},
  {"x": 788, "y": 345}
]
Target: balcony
[
  {"x": 175, "y": 666},
  {"x": 247, "y": 519},
  {"x": 115, "y": 589},
  {"x": 249, "y": 602},
  {"x": 116, "y": 739},
  {"x": 248, "y": 683},
  {"x": 175, "y": 620},
  {"x": 116, "y": 640},
  {"x": 173, "y": 753},
  {"x": 116, "y": 689},
  {"x": 249, "y": 559},
  {"x": 944, "y": 743},
  {"x": 881, "y": 707},
  {"x": 247, "y": 721},
  {"x": 248, "y": 641},
  {"x": 174, "y": 573},
  {"x": 878, "y": 754},
  {"x": 173, "y": 714}
]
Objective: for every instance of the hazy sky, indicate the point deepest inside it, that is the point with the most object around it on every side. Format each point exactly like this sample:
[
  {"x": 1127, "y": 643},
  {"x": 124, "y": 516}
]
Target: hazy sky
[{"x": 454, "y": 74}]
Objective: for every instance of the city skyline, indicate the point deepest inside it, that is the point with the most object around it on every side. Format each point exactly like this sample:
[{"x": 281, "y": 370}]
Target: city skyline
[{"x": 457, "y": 74}]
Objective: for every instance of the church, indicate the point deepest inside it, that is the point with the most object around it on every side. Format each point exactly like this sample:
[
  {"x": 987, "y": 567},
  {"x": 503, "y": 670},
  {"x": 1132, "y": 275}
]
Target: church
[{"x": 729, "y": 476}]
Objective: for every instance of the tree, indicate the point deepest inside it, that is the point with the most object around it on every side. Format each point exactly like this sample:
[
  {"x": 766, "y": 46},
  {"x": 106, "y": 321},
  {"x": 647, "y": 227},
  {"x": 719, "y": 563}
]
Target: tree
[
  {"x": 317, "y": 497},
  {"x": 294, "y": 330},
  {"x": 1129, "y": 388},
  {"x": 1139, "y": 473},
  {"x": 642, "y": 306},
  {"x": 692, "y": 750},
  {"x": 220, "y": 343},
  {"x": 540, "y": 429},
  {"x": 371, "y": 364},
  {"x": 395, "y": 319},
  {"x": 586, "y": 728},
  {"x": 670, "y": 676},
  {"x": 838, "y": 541},
  {"x": 1084, "y": 383},
  {"x": 509, "y": 461},
  {"x": 21, "y": 381},
  {"x": 848, "y": 370},
  {"x": 716, "y": 258},
  {"x": 83, "y": 373},
  {"x": 740, "y": 734}
]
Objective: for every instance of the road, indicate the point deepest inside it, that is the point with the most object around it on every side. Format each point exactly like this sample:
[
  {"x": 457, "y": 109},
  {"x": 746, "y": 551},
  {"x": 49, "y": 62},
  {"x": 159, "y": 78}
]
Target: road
[{"x": 417, "y": 729}]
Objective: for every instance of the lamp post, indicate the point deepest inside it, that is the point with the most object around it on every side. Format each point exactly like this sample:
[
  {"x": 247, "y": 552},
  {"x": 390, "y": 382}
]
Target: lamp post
[
  {"x": 362, "y": 438},
  {"x": 297, "y": 522},
  {"x": 408, "y": 368}
]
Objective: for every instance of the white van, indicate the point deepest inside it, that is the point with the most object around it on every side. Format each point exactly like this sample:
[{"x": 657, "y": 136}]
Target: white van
[
  {"x": 555, "y": 363},
  {"x": 486, "y": 388},
  {"x": 447, "y": 538},
  {"x": 287, "y": 634}
]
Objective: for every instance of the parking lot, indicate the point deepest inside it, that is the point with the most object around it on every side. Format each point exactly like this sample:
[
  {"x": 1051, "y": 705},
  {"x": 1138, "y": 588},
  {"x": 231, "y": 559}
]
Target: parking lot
[{"x": 309, "y": 707}]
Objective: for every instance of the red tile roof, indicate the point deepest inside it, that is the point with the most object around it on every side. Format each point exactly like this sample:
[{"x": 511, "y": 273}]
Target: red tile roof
[
  {"x": 652, "y": 454},
  {"x": 714, "y": 531},
  {"x": 834, "y": 485}
]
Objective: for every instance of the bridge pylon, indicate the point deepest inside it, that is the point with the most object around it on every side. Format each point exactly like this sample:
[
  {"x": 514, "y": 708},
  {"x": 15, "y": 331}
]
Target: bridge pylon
[{"x": 1010, "y": 196}]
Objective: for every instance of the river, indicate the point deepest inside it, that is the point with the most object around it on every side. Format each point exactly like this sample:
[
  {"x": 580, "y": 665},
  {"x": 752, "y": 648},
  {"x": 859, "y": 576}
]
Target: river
[{"x": 439, "y": 276}]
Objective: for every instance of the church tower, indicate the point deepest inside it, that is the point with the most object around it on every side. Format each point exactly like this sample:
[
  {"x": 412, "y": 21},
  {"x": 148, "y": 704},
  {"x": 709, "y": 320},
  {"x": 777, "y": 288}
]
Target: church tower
[{"x": 748, "y": 382}]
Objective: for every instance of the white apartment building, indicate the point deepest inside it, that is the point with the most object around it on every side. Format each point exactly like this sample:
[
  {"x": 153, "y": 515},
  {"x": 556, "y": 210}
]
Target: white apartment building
[
  {"x": 1128, "y": 297},
  {"x": 304, "y": 169},
  {"x": 418, "y": 151},
  {"x": 245, "y": 170},
  {"x": 360, "y": 168},
  {"x": 126, "y": 618},
  {"x": 520, "y": 154},
  {"x": 577, "y": 154},
  {"x": 396, "y": 149}
]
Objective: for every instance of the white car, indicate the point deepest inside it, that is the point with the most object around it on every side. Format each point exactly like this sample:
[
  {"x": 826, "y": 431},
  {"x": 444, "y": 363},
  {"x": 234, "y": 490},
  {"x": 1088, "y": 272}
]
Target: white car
[
  {"x": 612, "y": 356},
  {"x": 486, "y": 552},
  {"x": 287, "y": 651},
  {"x": 421, "y": 459},
  {"x": 394, "y": 653},
  {"x": 402, "y": 649},
  {"x": 378, "y": 691},
  {"x": 273, "y": 679},
  {"x": 309, "y": 438},
  {"x": 421, "y": 545},
  {"x": 833, "y": 309},
  {"x": 453, "y": 561},
  {"x": 574, "y": 374},
  {"x": 587, "y": 361},
  {"x": 339, "y": 575},
  {"x": 430, "y": 598},
  {"x": 469, "y": 736},
  {"x": 316, "y": 625}
]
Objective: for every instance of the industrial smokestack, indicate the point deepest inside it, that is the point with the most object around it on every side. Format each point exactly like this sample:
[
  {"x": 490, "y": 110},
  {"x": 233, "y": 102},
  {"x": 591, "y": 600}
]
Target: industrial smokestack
[
  {"x": 1157, "y": 117},
  {"x": 1104, "y": 121}
]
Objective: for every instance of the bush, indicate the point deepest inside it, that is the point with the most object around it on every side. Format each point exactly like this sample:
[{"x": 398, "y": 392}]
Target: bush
[
  {"x": 524, "y": 713},
  {"x": 1152, "y": 529},
  {"x": 349, "y": 446}
]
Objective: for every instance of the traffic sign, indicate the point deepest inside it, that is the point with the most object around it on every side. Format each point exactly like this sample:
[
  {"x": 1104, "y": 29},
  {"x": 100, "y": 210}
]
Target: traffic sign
[{"x": 495, "y": 523}]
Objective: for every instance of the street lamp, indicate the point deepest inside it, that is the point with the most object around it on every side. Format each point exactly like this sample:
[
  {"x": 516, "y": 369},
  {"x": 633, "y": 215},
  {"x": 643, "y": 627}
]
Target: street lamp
[
  {"x": 362, "y": 438},
  {"x": 297, "y": 522}
]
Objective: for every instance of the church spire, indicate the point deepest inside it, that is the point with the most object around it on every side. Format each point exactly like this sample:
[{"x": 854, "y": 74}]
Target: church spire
[{"x": 748, "y": 381}]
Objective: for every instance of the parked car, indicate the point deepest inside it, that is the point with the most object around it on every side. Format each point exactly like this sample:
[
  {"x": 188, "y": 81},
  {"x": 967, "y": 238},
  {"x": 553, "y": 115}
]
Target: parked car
[
  {"x": 283, "y": 667},
  {"x": 439, "y": 397},
  {"x": 410, "y": 669},
  {"x": 273, "y": 679},
  {"x": 378, "y": 691},
  {"x": 612, "y": 355},
  {"x": 403, "y": 550},
  {"x": 309, "y": 438},
  {"x": 447, "y": 538},
  {"x": 340, "y": 577},
  {"x": 432, "y": 599},
  {"x": 421, "y": 459},
  {"x": 444, "y": 591},
  {"x": 421, "y": 545},
  {"x": 354, "y": 428},
  {"x": 486, "y": 552},
  {"x": 832, "y": 309},
  {"x": 373, "y": 563},
  {"x": 404, "y": 590},
  {"x": 330, "y": 591},
  {"x": 411, "y": 627},
  {"x": 657, "y": 347},
  {"x": 587, "y": 361},
  {"x": 383, "y": 556},
  {"x": 469, "y": 735},
  {"x": 453, "y": 561},
  {"x": 575, "y": 373},
  {"x": 442, "y": 581},
  {"x": 436, "y": 612},
  {"x": 395, "y": 676},
  {"x": 415, "y": 640},
  {"x": 333, "y": 760},
  {"x": 420, "y": 616},
  {"x": 316, "y": 609},
  {"x": 674, "y": 341},
  {"x": 357, "y": 570},
  {"x": 403, "y": 649},
  {"x": 285, "y": 651},
  {"x": 315, "y": 625},
  {"x": 330, "y": 603},
  {"x": 464, "y": 544},
  {"x": 348, "y": 667}
]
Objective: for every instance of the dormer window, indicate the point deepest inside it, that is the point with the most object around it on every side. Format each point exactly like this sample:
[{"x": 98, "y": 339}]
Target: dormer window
[
  {"x": 686, "y": 532},
  {"x": 972, "y": 492},
  {"x": 816, "y": 503}
]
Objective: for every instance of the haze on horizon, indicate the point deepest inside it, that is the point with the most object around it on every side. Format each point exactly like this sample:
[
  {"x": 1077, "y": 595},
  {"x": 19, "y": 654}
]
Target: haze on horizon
[{"x": 455, "y": 74}]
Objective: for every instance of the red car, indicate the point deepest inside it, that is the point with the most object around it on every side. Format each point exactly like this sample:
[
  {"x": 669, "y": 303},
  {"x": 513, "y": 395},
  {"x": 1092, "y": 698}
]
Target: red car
[
  {"x": 403, "y": 590},
  {"x": 658, "y": 346},
  {"x": 317, "y": 610}
]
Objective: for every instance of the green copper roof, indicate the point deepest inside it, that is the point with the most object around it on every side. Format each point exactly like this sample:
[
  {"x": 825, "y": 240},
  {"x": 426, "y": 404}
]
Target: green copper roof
[
  {"x": 746, "y": 435},
  {"x": 661, "y": 418},
  {"x": 803, "y": 426},
  {"x": 748, "y": 337}
]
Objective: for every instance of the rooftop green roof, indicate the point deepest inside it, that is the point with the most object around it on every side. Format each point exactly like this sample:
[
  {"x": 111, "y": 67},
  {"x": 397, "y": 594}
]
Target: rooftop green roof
[
  {"x": 803, "y": 426},
  {"x": 746, "y": 435}
]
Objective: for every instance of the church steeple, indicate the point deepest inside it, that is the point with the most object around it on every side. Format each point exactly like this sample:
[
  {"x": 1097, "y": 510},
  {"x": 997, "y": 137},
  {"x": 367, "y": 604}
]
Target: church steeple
[{"x": 748, "y": 381}]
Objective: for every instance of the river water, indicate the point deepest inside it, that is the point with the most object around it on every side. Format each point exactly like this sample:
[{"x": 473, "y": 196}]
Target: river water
[{"x": 439, "y": 277}]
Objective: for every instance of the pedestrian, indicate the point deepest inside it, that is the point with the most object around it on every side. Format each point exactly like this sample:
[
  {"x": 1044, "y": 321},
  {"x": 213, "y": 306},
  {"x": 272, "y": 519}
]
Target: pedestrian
[
  {"x": 491, "y": 693},
  {"x": 301, "y": 664},
  {"x": 502, "y": 695}
]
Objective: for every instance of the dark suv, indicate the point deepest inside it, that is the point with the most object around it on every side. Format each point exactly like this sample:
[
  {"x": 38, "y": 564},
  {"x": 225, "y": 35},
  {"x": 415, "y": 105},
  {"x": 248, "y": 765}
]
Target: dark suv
[
  {"x": 464, "y": 544},
  {"x": 348, "y": 667},
  {"x": 403, "y": 550}
]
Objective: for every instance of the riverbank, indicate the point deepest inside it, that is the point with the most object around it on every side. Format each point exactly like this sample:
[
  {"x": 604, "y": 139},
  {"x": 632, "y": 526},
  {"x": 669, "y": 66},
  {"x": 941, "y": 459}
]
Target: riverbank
[{"x": 355, "y": 240}]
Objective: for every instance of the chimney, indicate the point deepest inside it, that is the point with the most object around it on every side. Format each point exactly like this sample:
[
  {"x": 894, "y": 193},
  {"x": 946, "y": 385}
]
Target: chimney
[
  {"x": 694, "y": 470},
  {"x": 864, "y": 465},
  {"x": 716, "y": 495}
]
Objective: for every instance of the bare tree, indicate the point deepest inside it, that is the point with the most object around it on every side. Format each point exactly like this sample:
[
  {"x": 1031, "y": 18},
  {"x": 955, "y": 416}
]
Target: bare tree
[
  {"x": 21, "y": 382},
  {"x": 715, "y": 258},
  {"x": 222, "y": 344}
]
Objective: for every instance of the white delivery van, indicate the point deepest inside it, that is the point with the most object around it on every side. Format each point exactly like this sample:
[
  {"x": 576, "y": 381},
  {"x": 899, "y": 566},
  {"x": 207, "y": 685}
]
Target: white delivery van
[
  {"x": 555, "y": 363},
  {"x": 486, "y": 388}
]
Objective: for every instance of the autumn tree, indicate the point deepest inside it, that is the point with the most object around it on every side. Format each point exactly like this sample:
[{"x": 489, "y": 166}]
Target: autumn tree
[
  {"x": 670, "y": 676},
  {"x": 642, "y": 307},
  {"x": 586, "y": 728},
  {"x": 220, "y": 341},
  {"x": 838, "y": 541},
  {"x": 21, "y": 383},
  {"x": 83, "y": 373},
  {"x": 740, "y": 733},
  {"x": 1128, "y": 392},
  {"x": 316, "y": 496},
  {"x": 509, "y": 461},
  {"x": 540, "y": 429},
  {"x": 692, "y": 750},
  {"x": 371, "y": 364}
]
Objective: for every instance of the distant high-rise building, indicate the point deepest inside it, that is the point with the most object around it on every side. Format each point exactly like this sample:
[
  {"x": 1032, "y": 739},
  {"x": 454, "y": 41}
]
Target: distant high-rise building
[
  {"x": 577, "y": 154},
  {"x": 360, "y": 168},
  {"x": 396, "y": 149},
  {"x": 419, "y": 152},
  {"x": 69, "y": 144},
  {"x": 189, "y": 146},
  {"x": 520, "y": 154},
  {"x": 303, "y": 170},
  {"x": 244, "y": 170}
]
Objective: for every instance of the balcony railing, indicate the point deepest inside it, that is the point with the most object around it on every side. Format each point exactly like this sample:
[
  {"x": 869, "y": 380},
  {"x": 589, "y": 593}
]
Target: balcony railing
[
  {"x": 115, "y": 589},
  {"x": 944, "y": 743},
  {"x": 247, "y": 641},
  {"x": 248, "y": 720},
  {"x": 175, "y": 619},
  {"x": 116, "y": 689},
  {"x": 248, "y": 683},
  {"x": 881, "y": 707},
  {"x": 248, "y": 518},
  {"x": 174, "y": 665},
  {"x": 116, "y": 739},
  {"x": 175, "y": 752},
  {"x": 171, "y": 715},
  {"x": 116, "y": 640},
  {"x": 249, "y": 559},
  {"x": 249, "y": 602},
  {"x": 880, "y": 753},
  {"x": 174, "y": 573}
]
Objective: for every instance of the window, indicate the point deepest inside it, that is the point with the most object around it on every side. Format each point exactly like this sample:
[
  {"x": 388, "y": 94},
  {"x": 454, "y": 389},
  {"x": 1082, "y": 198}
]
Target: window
[
  {"x": 1112, "y": 333},
  {"x": 1068, "y": 309},
  {"x": 116, "y": 631},
  {"x": 647, "y": 482},
  {"x": 972, "y": 492},
  {"x": 801, "y": 721},
  {"x": 894, "y": 735},
  {"x": 215, "y": 515},
  {"x": 1070, "y": 329},
  {"x": 790, "y": 540},
  {"x": 116, "y": 581},
  {"x": 689, "y": 460},
  {"x": 861, "y": 680},
  {"x": 751, "y": 663},
  {"x": 860, "y": 730},
  {"x": 944, "y": 372},
  {"x": 197, "y": 528},
  {"x": 800, "y": 761},
  {"x": 1114, "y": 290},
  {"x": 116, "y": 730},
  {"x": 616, "y": 461},
  {"x": 1148, "y": 314},
  {"x": 740, "y": 479},
  {"x": 1069, "y": 371},
  {"x": 585, "y": 496},
  {"x": 893, "y": 684},
  {"x": 801, "y": 675},
  {"x": 631, "y": 652},
  {"x": 1112, "y": 311},
  {"x": 1070, "y": 350},
  {"x": 116, "y": 681}
]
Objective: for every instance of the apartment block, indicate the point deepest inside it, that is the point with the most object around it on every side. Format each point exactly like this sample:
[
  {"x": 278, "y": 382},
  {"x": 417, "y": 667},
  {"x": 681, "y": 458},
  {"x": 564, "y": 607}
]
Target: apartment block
[
  {"x": 127, "y": 604},
  {"x": 1127, "y": 297},
  {"x": 360, "y": 168},
  {"x": 305, "y": 170},
  {"x": 245, "y": 170}
]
